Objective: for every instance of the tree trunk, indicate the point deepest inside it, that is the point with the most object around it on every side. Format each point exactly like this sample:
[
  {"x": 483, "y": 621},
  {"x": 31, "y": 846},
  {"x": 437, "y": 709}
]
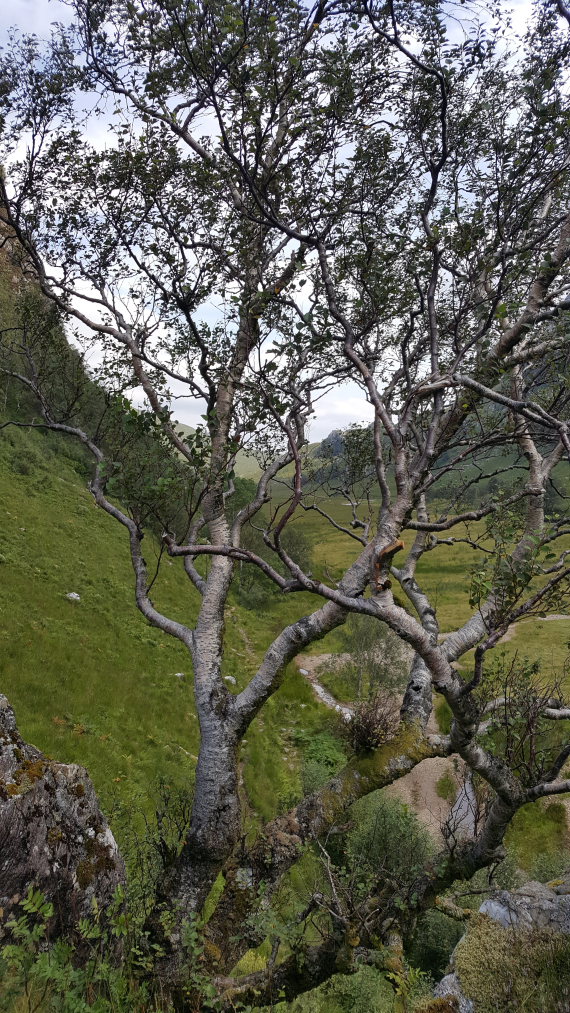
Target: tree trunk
[{"x": 214, "y": 827}]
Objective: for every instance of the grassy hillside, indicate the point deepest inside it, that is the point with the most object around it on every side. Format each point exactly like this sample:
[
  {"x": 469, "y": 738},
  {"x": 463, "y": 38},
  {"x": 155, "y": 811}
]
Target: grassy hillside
[
  {"x": 444, "y": 573},
  {"x": 91, "y": 682}
]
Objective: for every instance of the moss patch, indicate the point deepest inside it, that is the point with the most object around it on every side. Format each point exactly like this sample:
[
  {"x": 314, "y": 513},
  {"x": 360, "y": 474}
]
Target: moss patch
[
  {"x": 446, "y": 787},
  {"x": 505, "y": 971}
]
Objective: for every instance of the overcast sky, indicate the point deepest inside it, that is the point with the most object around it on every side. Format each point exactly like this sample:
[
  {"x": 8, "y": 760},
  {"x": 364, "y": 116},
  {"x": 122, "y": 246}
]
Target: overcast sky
[
  {"x": 32, "y": 15},
  {"x": 37, "y": 15},
  {"x": 336, "y": 410}
]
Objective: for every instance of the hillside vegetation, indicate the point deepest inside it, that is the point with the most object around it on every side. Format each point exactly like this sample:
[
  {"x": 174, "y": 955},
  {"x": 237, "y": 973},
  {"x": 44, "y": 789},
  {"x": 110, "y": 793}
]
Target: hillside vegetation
[{"x": 93, "y": 683}]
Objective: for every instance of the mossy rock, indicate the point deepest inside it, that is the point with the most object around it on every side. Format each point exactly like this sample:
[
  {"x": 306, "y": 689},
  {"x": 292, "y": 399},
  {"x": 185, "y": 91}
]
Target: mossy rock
[
  {"x": 507, "y": 970},
  {"x": 54, "y": 836}
]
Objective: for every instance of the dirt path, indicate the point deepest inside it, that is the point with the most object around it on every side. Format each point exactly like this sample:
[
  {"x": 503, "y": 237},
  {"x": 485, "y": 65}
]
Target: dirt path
[
  {"x": 418, "y": 788},
  {"x": 309, "y": 665},
  {"x": 526, "y": 622}
]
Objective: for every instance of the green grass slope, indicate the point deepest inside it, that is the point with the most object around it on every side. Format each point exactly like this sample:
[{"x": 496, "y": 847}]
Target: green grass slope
[{"x": 91, "y": 681}]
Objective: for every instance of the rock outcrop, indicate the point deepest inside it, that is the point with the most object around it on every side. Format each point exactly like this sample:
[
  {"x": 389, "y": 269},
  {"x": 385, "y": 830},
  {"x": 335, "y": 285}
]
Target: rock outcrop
[
  {"x": 53, "y": 835},
  {"x": 450, "y": 987},
  {"x": 538, "y": 912},
  {"x": 534, "y": 905}
]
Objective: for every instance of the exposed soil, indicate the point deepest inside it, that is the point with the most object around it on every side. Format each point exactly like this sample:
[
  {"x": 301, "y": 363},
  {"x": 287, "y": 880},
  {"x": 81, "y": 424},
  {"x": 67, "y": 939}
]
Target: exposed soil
[
  {"x": 418, "y": 791},
  {"x": 418, "y": 788}
]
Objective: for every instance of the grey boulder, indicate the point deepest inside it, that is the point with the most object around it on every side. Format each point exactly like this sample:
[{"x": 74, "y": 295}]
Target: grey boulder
[{"x": 53, "y": 835}]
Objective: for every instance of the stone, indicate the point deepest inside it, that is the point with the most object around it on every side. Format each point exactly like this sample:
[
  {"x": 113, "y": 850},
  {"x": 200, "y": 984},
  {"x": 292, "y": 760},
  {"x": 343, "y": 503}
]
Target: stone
[
  {"x": 450, "y": 986},
  {"x": 304, "y": 671},
  {"x": 53, "y": 835},
  {"x": 73, "y": 596},
  {"x": 179, "y": 675},
  {"x": 534, "y": 905},
  {"x": 230, "y": 679}
]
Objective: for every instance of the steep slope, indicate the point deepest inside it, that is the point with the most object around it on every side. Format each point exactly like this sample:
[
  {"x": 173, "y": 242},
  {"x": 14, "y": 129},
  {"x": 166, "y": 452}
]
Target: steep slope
[{"x": 89, "y": 680}]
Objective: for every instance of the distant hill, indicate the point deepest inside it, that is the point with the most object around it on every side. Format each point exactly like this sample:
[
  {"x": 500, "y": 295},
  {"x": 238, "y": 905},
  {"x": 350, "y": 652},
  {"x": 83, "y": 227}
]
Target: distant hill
[{"x": 247, "y": 465}]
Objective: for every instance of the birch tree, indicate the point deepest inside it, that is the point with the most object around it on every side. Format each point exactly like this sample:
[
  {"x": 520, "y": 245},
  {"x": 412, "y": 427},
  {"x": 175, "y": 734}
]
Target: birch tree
[{"x": 289, "y": 198}]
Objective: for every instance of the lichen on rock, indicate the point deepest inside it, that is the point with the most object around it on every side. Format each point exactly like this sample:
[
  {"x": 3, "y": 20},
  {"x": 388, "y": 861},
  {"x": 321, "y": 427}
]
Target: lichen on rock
[{"x": 53, "y": 835}]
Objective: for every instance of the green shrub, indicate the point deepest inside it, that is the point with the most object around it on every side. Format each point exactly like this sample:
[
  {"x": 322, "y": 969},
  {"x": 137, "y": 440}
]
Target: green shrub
[
  {"x": 323, "y": 756},
  {"x": 358, "y": 993},
  {"x": 20, "y": 466},
  {"x": 446, "y": 787},
  {"x": 325, "y": 749},
  {"x": 435, "y": 939},
  {"x": 377, "y": 659},
  {"x": 289, "y": 794},
  {"x": 366, "y": 991},
  {"x": 388, "y": 836},
  {"x": 42, "y": 976}
]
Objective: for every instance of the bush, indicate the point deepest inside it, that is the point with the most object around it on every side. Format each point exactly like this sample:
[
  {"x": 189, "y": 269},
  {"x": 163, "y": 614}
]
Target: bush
[
  {"x": 388, "y": 838},
  {"x": 37, "y": 974},
  {"x": 251, "y": 584},
  {"x": 446, "y": 787},
  {"x": 358, "y": 993},
  {"x": 289, "y": 794},
  {"x": 435, "y": 938},
  {"x": 323, "y": 756},
  {"x": 378, "y": 657},
  {"x": 374, "y": 722}
]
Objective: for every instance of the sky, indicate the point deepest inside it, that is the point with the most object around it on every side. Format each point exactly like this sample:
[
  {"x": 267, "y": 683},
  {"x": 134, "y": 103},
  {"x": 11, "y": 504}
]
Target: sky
[
  {"x": 32, "y": 15},
  {"x": 37, "y": 15},
  {"x": 337, "y": 409}
]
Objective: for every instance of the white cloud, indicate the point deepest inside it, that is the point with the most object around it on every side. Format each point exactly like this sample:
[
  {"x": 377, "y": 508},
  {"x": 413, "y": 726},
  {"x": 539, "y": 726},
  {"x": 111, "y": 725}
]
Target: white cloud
[
  {"x": 32, "y": 16},
  {"x": 338, "y": 409}
]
